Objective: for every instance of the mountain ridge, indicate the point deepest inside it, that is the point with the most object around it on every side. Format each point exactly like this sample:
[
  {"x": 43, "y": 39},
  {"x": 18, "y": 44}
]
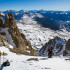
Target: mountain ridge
[{"x": 58, "y": 18}]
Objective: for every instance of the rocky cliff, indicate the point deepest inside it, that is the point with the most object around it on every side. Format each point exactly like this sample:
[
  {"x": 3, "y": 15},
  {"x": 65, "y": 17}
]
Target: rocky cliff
[
  {"x": 20, "y": 41},
  {"x": 58, "y": 44}
]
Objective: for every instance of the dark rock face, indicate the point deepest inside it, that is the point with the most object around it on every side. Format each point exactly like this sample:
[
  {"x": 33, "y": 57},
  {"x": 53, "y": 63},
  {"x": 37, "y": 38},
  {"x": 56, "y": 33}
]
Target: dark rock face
[
  {"x": 1, "y": 21},
  {"x": 65, "y": 52},
  {"x": 57, "y": 44},
  {"x": 68, "y": 45},
  {"x": 6, "y": 20},
  {"x": 19, "y": 39}
]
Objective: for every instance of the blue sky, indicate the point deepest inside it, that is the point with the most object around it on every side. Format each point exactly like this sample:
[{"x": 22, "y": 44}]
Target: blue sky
[{"x": 34, "y": 4}]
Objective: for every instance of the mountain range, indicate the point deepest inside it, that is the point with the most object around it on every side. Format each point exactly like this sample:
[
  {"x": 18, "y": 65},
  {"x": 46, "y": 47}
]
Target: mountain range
[
  {"x": 54, "y": 20},
  {"x": 40, "y": 26}
]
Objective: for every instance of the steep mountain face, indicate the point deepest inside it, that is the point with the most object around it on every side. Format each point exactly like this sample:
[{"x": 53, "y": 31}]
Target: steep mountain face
[
  {"x": 21, "y": 43},
  {"x": 14, "y": 31},
  {"x": 48, "y": 23},
  {"x": 59, "y": 47}
]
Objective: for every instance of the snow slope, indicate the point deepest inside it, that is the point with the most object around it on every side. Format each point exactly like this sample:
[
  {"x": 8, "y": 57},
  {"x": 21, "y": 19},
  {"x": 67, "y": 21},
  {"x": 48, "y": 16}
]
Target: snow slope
[
  {"x": 19, "y": 62},
  {"x": 37, "y": 34}
]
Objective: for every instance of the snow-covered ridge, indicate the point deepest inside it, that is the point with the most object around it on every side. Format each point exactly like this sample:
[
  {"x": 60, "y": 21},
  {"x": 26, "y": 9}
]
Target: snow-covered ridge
[
  {"x": 33, "y": 15},
  {"x": 29, "y": 18},
  {"x": 40, "y": 16}
]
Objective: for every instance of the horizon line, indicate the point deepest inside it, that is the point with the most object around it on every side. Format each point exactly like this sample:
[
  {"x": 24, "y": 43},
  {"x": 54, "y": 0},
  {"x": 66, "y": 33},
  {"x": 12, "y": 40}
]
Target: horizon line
[{"x": 33, "y": 9}]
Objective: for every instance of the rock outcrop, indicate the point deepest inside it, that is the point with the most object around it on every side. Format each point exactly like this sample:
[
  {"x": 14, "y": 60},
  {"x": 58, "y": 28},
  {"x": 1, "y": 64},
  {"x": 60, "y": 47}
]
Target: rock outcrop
[
  {"x": 68, "y": 45},
  {"x": 65, "y": 53},
  {"x": 3, "y": 41},
  {"x": 19, "y": 39},
  {"x": 6, "y": 20},
  {"x": 58, "y": 45},
  {"x": 1, "y": 21}
]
